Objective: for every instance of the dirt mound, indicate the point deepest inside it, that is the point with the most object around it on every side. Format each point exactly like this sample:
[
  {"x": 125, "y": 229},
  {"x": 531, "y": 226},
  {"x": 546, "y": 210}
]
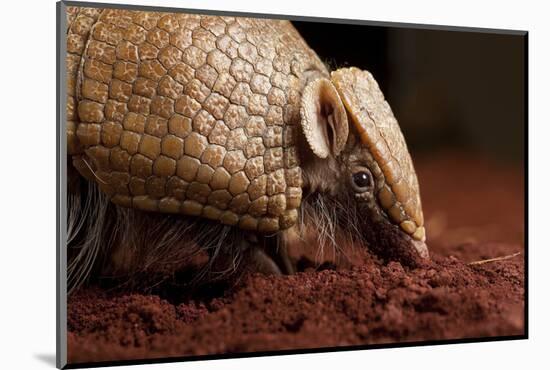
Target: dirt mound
[{"x": 364, "y": 302}]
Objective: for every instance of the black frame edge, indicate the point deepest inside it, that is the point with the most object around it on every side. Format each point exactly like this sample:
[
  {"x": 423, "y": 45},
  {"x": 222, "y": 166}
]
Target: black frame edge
[
  {"x": 294, "y": 17},
  {"x": 61, "y": 188}
]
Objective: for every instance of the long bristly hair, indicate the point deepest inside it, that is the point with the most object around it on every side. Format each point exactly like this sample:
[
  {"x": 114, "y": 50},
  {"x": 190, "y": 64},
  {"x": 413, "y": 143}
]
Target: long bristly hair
[
  {"x": 143, "y": 249},
  {"x": 331, "y": 222}
]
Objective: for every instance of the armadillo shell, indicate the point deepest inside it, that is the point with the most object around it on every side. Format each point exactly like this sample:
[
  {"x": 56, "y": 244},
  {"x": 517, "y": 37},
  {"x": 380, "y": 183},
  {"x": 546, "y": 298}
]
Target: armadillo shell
[{"x": 189, "y": 114}]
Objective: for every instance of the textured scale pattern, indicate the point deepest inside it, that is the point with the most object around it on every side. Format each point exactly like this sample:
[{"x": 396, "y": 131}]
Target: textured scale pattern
[
  {"x": 380, "y": 131},
  {"x": 189, "y": 114}
]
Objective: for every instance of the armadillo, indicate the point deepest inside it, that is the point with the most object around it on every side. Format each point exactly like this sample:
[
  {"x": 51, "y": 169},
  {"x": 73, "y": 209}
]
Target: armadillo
[{"x": 233, "y": 120}]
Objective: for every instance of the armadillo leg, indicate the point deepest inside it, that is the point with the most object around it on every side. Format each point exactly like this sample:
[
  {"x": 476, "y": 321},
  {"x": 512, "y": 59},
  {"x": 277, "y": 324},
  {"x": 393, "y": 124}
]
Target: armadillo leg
[
  {"x": 261, "y": 262},
  {"x": 277, "y": 253},
  {"x": 255, "y": 260},
  {"x": 283, "y": 259},
  {"x": 246, "y": 252}
]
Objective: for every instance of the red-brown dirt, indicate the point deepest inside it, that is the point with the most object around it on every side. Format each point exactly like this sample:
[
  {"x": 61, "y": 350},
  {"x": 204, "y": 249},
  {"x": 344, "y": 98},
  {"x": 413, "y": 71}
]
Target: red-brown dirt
[{"x": 474, "y": 211}]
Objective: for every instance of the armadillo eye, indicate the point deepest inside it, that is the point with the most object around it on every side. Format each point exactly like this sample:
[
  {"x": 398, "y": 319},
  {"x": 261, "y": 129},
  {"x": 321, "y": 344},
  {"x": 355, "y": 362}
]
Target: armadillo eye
[{"x": 361, "y": 181}]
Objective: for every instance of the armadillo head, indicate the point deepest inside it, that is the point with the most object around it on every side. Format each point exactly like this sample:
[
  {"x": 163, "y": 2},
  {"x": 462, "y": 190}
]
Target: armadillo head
[{"x": 356, "y": 140}]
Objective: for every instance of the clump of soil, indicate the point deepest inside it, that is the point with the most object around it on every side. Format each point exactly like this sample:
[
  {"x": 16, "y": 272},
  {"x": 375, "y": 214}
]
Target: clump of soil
[{"x": 473, "y": 211}]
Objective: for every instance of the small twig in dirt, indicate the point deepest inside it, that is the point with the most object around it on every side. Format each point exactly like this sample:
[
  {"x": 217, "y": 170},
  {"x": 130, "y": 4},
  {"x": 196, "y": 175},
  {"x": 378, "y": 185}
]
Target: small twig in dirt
[{"x": 495, "y": 259}]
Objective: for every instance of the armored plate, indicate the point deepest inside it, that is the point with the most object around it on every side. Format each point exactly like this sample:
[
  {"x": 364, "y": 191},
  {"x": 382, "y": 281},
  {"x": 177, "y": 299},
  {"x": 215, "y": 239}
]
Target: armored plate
[{"x": 189, "y": 114}]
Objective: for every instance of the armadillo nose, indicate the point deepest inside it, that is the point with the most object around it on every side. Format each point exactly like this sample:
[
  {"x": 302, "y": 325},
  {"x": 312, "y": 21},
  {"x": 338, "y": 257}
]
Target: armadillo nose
[{"x": 421, "y": 248}]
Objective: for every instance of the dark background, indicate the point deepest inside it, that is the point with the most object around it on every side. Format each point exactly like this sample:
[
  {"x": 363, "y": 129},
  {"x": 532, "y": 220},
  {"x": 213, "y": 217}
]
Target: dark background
[{"x": 448, "y": 89}]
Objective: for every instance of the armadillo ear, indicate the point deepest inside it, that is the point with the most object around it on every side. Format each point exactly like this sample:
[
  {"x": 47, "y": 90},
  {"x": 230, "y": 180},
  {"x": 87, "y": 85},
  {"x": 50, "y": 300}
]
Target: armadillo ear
[{"x": 324, "y": 119}]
